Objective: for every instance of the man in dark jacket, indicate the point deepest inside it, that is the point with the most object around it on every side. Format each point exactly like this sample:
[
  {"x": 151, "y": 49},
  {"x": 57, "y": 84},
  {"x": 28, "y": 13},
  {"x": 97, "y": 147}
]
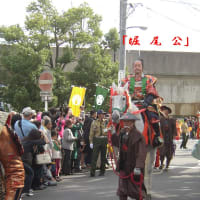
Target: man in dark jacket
[
  {"x": 86, "y": 133},
  {"x": 131, "y": 160},
  {"x": 168, "y": 128}
]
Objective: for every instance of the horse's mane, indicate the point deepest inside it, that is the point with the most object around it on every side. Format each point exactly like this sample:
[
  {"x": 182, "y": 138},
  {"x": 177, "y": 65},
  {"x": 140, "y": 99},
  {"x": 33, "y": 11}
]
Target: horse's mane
[
  {"x": 124, "y": 91},
  {"x": 131, "y": 106}
]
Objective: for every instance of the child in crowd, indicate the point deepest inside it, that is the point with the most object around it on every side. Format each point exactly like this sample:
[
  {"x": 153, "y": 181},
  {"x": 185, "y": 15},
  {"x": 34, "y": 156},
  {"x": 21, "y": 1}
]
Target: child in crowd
[{"x": 56, "y": 155}]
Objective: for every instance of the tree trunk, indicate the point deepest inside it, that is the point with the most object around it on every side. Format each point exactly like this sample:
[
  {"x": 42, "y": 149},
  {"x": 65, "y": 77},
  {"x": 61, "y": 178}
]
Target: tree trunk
[{"x": 114, "y": 56}]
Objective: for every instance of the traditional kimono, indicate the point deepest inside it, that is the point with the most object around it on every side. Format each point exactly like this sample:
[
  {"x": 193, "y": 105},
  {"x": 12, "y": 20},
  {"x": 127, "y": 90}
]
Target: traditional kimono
[{"x": 132, "y": 155}]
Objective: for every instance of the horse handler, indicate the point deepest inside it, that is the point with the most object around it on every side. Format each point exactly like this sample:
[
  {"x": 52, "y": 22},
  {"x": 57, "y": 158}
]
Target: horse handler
[{"x": 131, "y": 161}]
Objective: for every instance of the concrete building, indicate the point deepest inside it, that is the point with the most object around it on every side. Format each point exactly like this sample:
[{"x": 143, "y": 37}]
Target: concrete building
[{"x": 178, "y": 76}]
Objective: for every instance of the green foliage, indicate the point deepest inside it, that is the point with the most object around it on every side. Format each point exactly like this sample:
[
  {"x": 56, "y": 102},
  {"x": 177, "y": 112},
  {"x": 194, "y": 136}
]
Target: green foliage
[
  {"x": 61, "y": 86},
  {"x": 112, "y": 40},
  {"x": 27, "y": 51},
  {"x": 67, "y": 57},
  {"x": 94, "y": 67},
  {"x": 84, "y": 26},
  {"x": 12, "y": 34},
  {"x": 23, "y": 65}
]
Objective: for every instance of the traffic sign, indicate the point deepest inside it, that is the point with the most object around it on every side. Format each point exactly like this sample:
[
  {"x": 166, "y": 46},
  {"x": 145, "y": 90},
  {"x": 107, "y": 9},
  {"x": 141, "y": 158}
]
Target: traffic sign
[
  {"x": 45, "y": 93},
  {"x": 46, "y": 81},
  {"x": 47, "y": 98}
]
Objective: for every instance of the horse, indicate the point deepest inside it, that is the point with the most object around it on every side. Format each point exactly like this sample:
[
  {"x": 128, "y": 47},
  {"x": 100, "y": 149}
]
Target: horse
[{"x": 120, "y": 103}]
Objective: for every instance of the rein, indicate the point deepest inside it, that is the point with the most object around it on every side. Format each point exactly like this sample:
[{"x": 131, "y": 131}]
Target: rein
[{"x": 112, "y": 154}]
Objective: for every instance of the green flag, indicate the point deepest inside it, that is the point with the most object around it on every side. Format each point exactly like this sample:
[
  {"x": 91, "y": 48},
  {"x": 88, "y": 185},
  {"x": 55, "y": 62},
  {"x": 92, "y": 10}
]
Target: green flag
[{"x": 101, "y": 94}]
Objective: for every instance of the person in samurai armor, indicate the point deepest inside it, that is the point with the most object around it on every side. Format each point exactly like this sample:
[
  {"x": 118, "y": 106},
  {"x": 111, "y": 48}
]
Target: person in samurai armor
[
  {"x": 143, "y": 93},
  {"x": 131, "y": 161},
  {"x": 10, "y": 152}
]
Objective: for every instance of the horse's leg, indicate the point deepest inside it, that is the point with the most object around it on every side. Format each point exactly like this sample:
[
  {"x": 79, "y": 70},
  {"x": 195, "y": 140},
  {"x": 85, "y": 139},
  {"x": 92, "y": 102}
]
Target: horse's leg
[{"x": 149, "y": 162}]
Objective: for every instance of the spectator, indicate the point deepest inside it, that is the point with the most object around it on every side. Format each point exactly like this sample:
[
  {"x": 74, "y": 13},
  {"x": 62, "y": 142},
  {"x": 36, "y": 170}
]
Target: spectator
[
  {"x": 61, "y": 125},
  {"x": 47, "y": 125},
  {"x": 24, "y": 126},
  {"x": 14, "y": 119},
  {"x": 76, "y": 154},
  {"x": 30, "y": 144},
  {"x": 67, "y": 145},
  {"x": 68, "y": 113},
  {"x": 82, "y": 112},
  {"x": 54, "y": 117}
]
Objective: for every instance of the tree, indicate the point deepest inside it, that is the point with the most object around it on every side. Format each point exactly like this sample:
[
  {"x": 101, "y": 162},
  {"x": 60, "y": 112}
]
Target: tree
[
  {"x": 76, "y": 28},
  {"x": 112, "y": 40},
  {"x": 23, "y": 65},
  {"x": 94, "y": 67},
  {"x": 46, "y": 33}
]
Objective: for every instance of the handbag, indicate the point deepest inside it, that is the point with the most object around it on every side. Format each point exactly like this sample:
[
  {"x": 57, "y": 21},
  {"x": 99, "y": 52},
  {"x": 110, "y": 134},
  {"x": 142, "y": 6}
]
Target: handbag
[
  {"x": 196, "y": 150},
  {"x": 43, "y": 158},
  {"x": 56, "y": 154}
]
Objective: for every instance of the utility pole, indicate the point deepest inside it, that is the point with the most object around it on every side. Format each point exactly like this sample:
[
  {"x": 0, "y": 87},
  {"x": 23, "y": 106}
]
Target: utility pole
[{"x": 122, "y": 51}]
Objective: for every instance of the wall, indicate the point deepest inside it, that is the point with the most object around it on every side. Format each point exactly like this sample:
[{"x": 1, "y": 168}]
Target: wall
[{"x": 178, "y": 76}]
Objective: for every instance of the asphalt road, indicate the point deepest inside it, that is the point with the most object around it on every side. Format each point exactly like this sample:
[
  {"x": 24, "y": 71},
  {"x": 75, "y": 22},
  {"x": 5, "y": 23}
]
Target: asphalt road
[{"x": 181, "y": 182}]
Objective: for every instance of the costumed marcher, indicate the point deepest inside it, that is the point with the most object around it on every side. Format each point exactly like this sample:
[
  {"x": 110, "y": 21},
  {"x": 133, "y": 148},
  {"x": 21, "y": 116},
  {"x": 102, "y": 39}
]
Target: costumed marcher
[
  {"x": 185, "y": 136},
  {"x": 10, "y": 152},
  {"x": 143, "y": 93},
  {"x": 131, "y": 160},
  {"x": 169, "y": 131},
  {"x": 98, "y": 141},
  {"x": 86, "y": 133},
  {"x": 157, "y": 161}
]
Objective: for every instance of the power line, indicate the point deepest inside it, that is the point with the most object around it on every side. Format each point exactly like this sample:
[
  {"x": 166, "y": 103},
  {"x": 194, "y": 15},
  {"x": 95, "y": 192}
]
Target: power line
[
  {"x": 171, "y": 19},
  {"x": 192, "y": 5},
  {"x": 182, "y": 2}
]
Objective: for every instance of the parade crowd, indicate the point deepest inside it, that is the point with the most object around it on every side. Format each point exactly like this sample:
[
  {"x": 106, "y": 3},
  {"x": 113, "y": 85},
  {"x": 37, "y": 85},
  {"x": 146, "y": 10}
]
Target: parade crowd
[
  {"x": 61, "y": 138},
  {"x": 37, "y": 148}
]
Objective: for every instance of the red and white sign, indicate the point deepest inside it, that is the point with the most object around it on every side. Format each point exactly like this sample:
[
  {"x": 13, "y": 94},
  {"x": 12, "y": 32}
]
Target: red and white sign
[{"x": 46, "y": 81}]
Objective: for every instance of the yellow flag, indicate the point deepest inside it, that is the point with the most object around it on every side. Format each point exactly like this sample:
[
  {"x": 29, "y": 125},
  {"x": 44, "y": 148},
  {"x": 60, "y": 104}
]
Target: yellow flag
[{"x": 76, "y": 100}]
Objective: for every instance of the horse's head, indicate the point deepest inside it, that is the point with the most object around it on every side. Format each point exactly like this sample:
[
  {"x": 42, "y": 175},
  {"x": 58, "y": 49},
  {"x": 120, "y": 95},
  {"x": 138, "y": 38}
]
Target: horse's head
[{"x": 119, "y": 101}]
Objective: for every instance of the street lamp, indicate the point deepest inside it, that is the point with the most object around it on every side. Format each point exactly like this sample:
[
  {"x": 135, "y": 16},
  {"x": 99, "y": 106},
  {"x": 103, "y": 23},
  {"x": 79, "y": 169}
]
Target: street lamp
[{"x": 140, "y": 27}]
